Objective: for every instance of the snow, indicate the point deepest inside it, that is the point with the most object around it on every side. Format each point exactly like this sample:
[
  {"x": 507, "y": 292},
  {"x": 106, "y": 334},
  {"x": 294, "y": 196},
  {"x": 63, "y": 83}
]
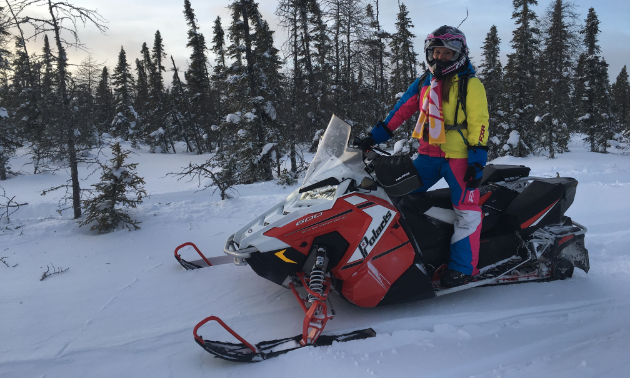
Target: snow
[
  {"x": 234, "y": 118},
  {"x": 513, "y": 138},
  {"x": 125, "y": 308},
  {"x": 4, "y": 113},
  {"x": 270, "y": 110}
]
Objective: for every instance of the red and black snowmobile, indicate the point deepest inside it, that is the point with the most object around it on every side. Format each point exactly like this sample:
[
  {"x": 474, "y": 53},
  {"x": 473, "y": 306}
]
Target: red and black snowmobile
[{"x": 352, "y": 228}]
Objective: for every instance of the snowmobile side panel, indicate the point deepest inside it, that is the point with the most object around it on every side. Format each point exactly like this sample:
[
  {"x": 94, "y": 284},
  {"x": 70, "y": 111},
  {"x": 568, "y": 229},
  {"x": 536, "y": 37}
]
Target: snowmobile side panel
[
  {"x": 301, "y": 233},
  {"x": 373, "y": 279},
  {"x": 497, "y": 199},
  {"x": 536, "y": 207},
  {"x": 496, "y": 248},
  {"x": 413, "y": 285}
]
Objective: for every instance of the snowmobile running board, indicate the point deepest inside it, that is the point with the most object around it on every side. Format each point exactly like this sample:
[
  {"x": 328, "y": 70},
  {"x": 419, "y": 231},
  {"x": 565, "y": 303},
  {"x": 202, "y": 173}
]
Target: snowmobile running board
[
  {"x": 204, "y": 262},
  {"x": 246, "y": 352}
]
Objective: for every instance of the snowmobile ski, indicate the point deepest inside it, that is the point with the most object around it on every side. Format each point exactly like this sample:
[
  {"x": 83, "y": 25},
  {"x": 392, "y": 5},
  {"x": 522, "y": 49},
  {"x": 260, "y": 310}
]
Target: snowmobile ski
[
  {"x": 246, "y": 352},
  {"x": 204, "y": 262}
]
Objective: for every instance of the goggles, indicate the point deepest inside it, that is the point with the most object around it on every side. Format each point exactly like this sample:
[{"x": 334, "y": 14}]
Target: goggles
[{"x": 453, "y": 42}]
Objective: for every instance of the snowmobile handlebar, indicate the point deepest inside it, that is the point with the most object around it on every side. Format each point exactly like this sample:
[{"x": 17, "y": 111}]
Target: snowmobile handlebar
[{"x": 356, "y": 143}]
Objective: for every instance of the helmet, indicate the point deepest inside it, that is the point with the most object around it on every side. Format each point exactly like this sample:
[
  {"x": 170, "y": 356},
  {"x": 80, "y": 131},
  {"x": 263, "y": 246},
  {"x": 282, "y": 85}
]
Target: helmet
[{"x": 453, "y": 39}]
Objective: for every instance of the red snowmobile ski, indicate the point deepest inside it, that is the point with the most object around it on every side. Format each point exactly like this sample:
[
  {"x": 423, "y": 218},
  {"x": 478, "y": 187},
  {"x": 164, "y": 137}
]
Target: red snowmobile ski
[{"x": 355, "y": 228}]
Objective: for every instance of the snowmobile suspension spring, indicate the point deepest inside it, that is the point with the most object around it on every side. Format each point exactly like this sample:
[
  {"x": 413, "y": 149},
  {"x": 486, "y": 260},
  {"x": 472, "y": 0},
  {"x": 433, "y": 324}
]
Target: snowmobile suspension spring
[{"x": 316, "y": 283}]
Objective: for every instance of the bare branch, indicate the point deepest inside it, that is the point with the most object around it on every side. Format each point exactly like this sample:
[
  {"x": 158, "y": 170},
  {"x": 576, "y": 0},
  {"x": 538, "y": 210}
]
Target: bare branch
[{"x": 55, "y": 270}]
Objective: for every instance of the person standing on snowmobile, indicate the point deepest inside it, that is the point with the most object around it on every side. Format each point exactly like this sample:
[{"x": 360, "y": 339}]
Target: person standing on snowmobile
[{"x": 453, "y": 132}]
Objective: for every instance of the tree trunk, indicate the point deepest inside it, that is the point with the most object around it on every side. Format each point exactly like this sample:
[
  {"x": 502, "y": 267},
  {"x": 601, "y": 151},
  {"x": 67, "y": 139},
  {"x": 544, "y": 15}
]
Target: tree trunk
[{"x": 65, "y": 116}]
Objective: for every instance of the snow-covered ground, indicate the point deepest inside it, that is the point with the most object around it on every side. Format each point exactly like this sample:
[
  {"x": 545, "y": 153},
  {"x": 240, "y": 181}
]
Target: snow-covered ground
[{"x": 125, "y": 308}]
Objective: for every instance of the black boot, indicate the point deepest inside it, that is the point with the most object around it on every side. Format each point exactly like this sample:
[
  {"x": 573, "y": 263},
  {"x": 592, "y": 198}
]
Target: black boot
[{"x": 452, "y": 278}]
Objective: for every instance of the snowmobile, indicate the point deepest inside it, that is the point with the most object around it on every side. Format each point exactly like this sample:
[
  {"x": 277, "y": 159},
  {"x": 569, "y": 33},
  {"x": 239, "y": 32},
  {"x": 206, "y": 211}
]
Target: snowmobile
[{"x": 356, "y": 228}]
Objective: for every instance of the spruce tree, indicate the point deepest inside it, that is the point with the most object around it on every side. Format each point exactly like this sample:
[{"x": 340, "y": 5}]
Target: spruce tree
[
  {"x": 141, "y": 100},
  {"x": 593, "y": 88},
  {"x": 250, "y": 94},
  {"x": 84, "y": 87},
  {"x": 300, "y": 19},
  {"x": 218, "y": 80},
  {"x": 491, "y": 75},
  {"x": 404, "y": 59},
  {"x": 197, "y": 77},
  {"x": 104, "y": 99},
  {"x": 120, "y": 188},
  {"x": 520, "y": 77},
  {"x": 43, "y": 139},
  {"x": 621, "y": 98},
  {"x": 160, "y": 134},
  {"x": 554, "y": 110},
  {"x": 124, "y": 122},
  {"x": 376, "y": 58}
]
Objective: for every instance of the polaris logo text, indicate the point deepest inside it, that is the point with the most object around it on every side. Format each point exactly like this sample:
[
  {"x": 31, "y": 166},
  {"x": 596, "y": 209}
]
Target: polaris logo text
[
  {"x": 309, "y": 218},
  {"x": 375, "y": 235}
]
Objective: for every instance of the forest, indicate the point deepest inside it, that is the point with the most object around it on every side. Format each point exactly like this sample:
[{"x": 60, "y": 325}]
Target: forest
[{"x": 254, "y": 104}]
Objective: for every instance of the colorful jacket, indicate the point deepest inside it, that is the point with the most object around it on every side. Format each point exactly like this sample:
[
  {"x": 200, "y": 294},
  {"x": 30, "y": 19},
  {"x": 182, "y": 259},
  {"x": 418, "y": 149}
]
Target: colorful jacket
[{"x": 457, "y": 141}]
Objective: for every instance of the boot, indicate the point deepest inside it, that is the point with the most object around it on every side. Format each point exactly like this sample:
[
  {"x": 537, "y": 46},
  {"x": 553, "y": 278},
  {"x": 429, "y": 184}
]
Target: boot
[{"x": 452, "y": 278}]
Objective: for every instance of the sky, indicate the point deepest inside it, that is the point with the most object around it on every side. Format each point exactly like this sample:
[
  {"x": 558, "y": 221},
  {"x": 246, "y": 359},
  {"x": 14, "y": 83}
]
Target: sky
[{"x": 130, "y": 23}]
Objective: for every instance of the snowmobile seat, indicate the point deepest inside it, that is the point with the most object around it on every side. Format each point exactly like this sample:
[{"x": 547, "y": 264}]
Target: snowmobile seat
[{"x": 503, "y": 172}]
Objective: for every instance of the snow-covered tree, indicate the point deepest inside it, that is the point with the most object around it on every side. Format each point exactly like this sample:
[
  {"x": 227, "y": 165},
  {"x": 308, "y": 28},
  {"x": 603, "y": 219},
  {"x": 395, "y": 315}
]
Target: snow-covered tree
[
  {"x": 595, "y": 112},
  {"x": 491, "y": 75},
  {"x": 520, "y": 78},
  {"x": 104, "y": 103},
  {"x": 159, "y": 134},
  {"x": 252, "y": 95},
  {"x": 554, "y": 110},
  {"x": 403, "y": 60},
  {"x": 621, "y": 98},
  {"x": 141, "y": 99},
  {"x": 119, "y": 189},
  {"x": 124, "y": 122},
  {"x": 197, "y": 76}
]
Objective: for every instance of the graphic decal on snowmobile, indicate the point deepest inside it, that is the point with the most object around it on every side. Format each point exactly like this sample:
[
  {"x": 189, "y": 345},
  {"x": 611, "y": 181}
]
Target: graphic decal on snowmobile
[
  {"x": 536, "y": 218},
  {"x": 310, "y": 218},
  {"x": 365, "y": 205},
  {"x": 307, "y": 228},
  {"x": 355, "y": 200},
  {"x": 283, "y": 257},
  {"x": 381, "y": 218},
  {"x": 390, "y": 251}
]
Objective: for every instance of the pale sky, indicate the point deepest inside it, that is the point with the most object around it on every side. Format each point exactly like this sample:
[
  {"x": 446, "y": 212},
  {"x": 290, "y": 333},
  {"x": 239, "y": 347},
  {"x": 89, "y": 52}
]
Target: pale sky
[{"x": 133, "y": 22}]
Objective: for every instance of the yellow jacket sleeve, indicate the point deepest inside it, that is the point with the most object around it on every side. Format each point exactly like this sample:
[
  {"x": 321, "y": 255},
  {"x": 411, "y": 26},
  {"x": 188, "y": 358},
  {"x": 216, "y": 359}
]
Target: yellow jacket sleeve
[{"x": 477, "y": 113}]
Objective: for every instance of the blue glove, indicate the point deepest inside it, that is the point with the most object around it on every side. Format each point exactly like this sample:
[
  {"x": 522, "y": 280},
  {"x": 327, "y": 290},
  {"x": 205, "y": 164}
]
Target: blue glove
[
  {"x": 477, "y": 158},
  {"x": 381, "y": 133}
]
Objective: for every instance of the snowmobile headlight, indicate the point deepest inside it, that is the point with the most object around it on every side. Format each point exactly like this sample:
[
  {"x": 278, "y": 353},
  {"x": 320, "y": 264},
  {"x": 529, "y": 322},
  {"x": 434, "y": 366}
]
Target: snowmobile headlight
[{"x": 325, "y": 192}]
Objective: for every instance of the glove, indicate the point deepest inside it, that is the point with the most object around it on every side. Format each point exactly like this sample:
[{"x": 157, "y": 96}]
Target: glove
[
  {"x": 381, "y": 133},
  {"x": 477, "y": 158},
  {"x": 366, "y": 143}
]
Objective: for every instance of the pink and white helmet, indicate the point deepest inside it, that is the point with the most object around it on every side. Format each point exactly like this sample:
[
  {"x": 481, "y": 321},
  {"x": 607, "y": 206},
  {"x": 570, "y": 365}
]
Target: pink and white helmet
[{"x": 453, "y": 39}]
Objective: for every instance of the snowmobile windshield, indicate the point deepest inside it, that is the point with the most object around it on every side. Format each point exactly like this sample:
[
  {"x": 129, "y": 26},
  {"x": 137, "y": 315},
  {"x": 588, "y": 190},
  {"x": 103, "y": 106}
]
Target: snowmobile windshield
[{"x": 334, "y": 159}]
